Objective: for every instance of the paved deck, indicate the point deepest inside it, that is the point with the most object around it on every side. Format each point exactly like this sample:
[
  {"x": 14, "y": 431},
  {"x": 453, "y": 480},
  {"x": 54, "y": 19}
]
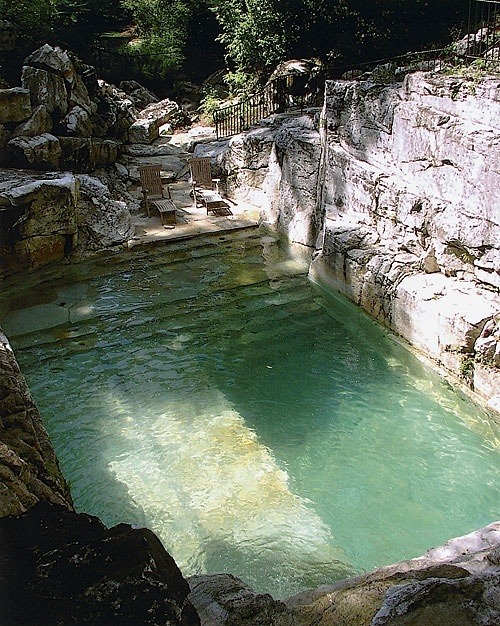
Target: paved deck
[{"x": 191, "y": 221}]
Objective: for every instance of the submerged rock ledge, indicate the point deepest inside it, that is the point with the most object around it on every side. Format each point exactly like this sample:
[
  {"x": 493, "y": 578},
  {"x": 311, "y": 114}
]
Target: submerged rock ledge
[
  {"x": 61, "y": 567},
  {"x": 393, "y": 187}
]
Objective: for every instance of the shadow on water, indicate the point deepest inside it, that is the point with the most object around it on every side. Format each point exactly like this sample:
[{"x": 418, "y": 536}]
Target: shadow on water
[{"x": 257, "y": 424}]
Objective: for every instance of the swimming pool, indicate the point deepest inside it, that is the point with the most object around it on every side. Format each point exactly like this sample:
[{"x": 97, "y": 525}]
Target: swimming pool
[{"x": 258, "y": 424}]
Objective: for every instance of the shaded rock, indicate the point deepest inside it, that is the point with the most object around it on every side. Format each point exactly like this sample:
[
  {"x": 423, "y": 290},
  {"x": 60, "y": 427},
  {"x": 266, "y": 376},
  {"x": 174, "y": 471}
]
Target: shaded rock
[
  {"x": 59, "y": 567},
  {"x": 41, "y": 152},
  {"x": 5, "y": 136},
  {"x": 298, "y": 151},
  {"x": 140, "y": 96},
  {"x": 29, "y": 470},
  {"x": 77, "y": 122},
  {"x": 47, "y": 89},
  {"x": 15, "y": 105},
  {"x": 84, "y": 154},
  {"x": 224, "y": 600},
  {"x": 39, "y": 123},
  {"x": 115, "y": 112}
]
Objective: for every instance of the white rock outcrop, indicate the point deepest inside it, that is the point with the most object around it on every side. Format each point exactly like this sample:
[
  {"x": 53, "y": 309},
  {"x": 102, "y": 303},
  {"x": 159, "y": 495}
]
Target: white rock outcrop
[{"x": 395, "y": 186}]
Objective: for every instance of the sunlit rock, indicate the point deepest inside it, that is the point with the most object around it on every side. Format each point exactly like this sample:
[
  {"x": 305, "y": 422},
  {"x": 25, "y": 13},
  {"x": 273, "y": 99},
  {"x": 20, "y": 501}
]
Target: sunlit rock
[
  {"x": 102, "y": 221},
  {"x": 149, "y": 120},
  {"x": 404, "y": 186}
]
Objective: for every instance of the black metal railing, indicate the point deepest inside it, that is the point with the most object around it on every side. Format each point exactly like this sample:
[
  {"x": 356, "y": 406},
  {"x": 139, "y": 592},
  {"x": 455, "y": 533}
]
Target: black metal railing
[
  {"x": 297, "y": 91},
  {"x": 483, "y": 31},
  {"x": 234, "y": 118}
]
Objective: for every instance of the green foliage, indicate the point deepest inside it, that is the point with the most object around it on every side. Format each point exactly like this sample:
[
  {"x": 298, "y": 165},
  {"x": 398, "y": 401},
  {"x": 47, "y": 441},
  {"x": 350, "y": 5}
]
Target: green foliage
[
  {"x": 32, "y": 17},
  {"x": 162, "y": 30},
  {"x": 475, "y": 71},
  {"x": 70, "y": 20},
  {"x": 258, "y": 34},
  {"x": 467, "y": 369}
]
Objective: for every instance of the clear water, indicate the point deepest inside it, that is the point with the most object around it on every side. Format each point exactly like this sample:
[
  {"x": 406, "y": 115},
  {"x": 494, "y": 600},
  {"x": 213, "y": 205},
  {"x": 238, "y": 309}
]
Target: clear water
[{"x": 257, "y": 424}]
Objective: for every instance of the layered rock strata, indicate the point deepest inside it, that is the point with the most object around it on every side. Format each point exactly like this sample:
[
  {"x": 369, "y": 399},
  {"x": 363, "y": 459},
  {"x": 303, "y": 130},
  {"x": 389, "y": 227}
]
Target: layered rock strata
[
  {"x": 63, "y": 117},
  {"x": 395, "y": 189},
  {"x": 48, "y": 217},
  {"x": 29, "y": 470}
]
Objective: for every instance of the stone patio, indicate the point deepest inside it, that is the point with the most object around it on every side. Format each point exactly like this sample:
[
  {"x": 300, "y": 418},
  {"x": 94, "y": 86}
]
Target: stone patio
[{"x": 172, "y": 153}]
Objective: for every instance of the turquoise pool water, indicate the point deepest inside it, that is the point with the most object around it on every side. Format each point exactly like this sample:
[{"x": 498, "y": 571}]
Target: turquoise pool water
[{"x": 257, "y": 424}]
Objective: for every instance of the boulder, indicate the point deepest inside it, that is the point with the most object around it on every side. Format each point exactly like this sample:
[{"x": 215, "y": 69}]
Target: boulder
[
  {"x": 42, "y": 152},
  {"x": 39, "y": 123},
  {"x": 60, "y": 567},
  {"x": 51, "y": 59},
  {"x": 140, "y": 96},
  {"x": 46, "y": 88},
  {"x": 146, "y": 127},
  {"x": 32, "y": 236},
  {"x": 224, "y": 600},
  {"x": 115, "y": 112},
  {"x": 51, "y": 66},
  {"x": 102, "y": 221},
  {"x": 15, "y": 105},
  {"x": 77, "y": 122}
]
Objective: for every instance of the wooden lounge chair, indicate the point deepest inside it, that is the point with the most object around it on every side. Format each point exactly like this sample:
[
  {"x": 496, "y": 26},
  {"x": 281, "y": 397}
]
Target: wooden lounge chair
[
  {"x": 205, "y": 188},
  {"x": 155, "y": 195}
]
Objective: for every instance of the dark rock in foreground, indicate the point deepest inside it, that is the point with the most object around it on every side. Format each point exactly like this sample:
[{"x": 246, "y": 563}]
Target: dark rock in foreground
[{"x": 58, "y": 567}]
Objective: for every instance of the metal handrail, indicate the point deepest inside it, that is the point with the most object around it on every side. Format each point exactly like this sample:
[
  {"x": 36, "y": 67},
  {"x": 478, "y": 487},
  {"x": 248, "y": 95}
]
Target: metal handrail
[{"x": 283, "y": 93}]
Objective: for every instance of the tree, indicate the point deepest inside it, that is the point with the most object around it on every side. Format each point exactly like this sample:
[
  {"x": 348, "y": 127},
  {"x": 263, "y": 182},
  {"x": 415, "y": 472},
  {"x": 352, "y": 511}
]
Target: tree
[
  {"x": 162, "y": 32},
  {"x": 258, "y": 34}
]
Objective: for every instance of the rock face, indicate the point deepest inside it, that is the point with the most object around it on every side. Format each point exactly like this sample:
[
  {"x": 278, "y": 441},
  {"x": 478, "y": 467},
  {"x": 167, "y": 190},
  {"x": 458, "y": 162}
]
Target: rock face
[
  {"x": 83, "y": 218},
  {"x": 29, "y": 470},
  {"x": 411, "y": 213},
  {"x": 31, "y": 235},
  {"x": 63, "y": 117},
  {"x": 60, "y": 567},
  {"x": 457, "y": 585},
  {"x": 395, "y": 186}
]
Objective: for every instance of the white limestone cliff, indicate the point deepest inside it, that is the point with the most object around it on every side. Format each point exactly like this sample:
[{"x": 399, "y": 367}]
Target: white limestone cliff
[{"x": 395, "y": 187}]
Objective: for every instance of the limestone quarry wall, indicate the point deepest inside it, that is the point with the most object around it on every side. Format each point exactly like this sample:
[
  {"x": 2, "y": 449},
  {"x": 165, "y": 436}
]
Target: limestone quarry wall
[{"x": 395, "y": 187}]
